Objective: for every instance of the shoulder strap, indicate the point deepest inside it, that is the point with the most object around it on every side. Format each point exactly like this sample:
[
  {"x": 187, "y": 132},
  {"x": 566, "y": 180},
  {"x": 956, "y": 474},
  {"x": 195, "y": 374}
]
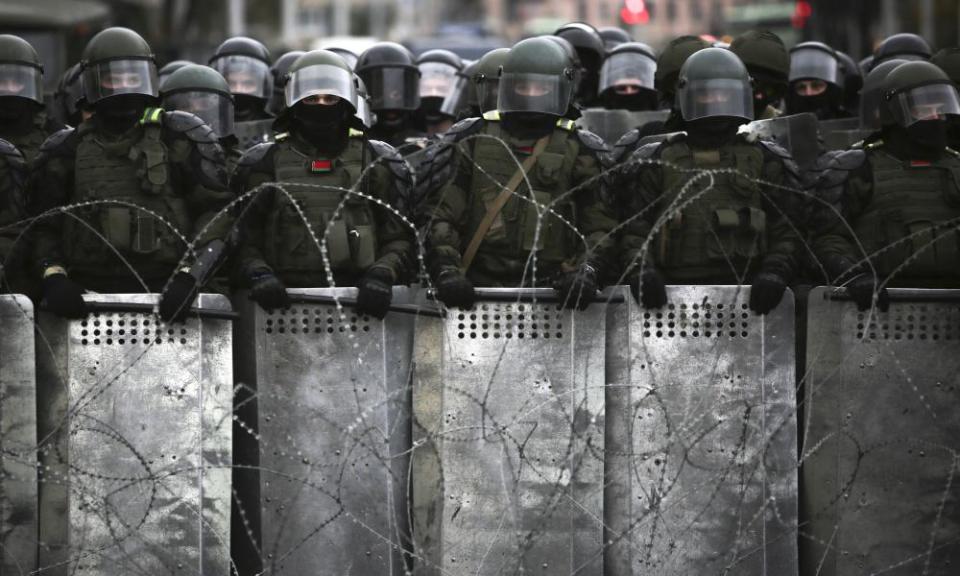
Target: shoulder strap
[{"x": 500, "y": 201}]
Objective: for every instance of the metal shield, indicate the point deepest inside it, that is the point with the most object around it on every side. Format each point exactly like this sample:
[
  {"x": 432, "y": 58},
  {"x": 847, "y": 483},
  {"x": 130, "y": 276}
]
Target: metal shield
[
  {"x": 333, "y": 400},
  {"x": 610, "y": 125},
  {"x": 253, "y": 132},
  {"x": 18, "y": 437},
  {"x": 701, "y": 437},
  {"x": 508, "y": 438},
  {"x": 882, "y": 436},
  {"x": 796, "y": 133},
  {"x": 135, "y": 432}
]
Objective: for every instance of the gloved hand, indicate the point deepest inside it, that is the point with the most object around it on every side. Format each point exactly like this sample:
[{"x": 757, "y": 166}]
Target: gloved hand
[
  {"x": 577, "y": 289},
  {"x": 861, "y": 289},
  {"x": 268, "y": 291},
  {"x": 649, "y": 288},
  {"x": 375, "y": 292},
  {"x": 63, "y": 296},
  {"x": 175, "y": 302},
  {"x": 766, "y": 292},
  {"x": 455, "y": 290}
]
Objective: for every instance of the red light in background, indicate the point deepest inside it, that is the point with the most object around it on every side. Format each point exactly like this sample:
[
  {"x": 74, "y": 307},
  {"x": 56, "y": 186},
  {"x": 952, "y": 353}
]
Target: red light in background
[
  {"x": 801, "y": 12},
  {"x": 634, "y": 12}
]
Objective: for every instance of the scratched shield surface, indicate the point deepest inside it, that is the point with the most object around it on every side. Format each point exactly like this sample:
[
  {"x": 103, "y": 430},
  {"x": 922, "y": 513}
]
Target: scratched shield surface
[
  {"x": 701, "y": 436},
  {"x": 509, "y": 435},
  {"x": 882, "y": 445},
  {"x": 333, "y": 399},
  {"x": 136, "y": 441},
  {"x": 18, "y": 437}
]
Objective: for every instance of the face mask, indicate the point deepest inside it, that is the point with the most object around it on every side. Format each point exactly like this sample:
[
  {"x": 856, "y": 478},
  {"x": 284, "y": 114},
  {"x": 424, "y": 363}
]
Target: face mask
[
  {"x": 14, "y": 109},
  {"x": 712, "y": 132},
  {"x": 391, "y": 120},
  {"x": 822, "y": 105},
  {"x": 246, "y": 106},
  {"x": 528, "y": 125},
  {"x": 632, "y": 102},
  {"x": 120, "y": 113},
  {"x": 928, "y": 136},
  {"x": 323, "y": 126}
]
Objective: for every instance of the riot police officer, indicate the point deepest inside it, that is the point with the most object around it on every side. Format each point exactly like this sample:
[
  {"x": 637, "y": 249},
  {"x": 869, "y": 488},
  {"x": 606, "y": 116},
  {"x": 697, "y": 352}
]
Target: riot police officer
[
  {"x": 462, "y": 102},
  {"x": 150, "y": 179},
  {"x": 486, "y": 226},
  {"x": 245, "y": 64},
  {"x": 730, "y": 228},
  {"x": 590, "y": 51},
  {"x": 902, "y": 46},
  {"x": 279, "y": 73},
  {"x": 169, "y": 68},
  {"x": 816, "y": 81},
  {"x": 948, "y": 60},
  {"x": 874, "y": 114},
  {"x": 322, "y": 156},
  {"x": 487, "y": 78},
  {"x": 392, "y": 78},
  {"x": 899, "y": 194},
  {"x": 67, "y": 98},
  {"x": 627, "y": 78},
  {"x": 23, "y": 121},
  {"x": 438, "y": 76},
  {"x": 203, "y": 92},
  {"x": 613, "y": 37},
  {"x": 768, "y": 63},
  {"x": 13, "y": 184}
]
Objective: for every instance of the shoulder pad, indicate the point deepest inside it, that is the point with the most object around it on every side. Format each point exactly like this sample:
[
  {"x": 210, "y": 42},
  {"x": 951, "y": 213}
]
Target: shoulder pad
[
  {"x": 840, "y": 160},
  {"x": 391, "y": 159},
  {"x": 832, "y": 170},
  {"x": 592, "y": 142},
  {"x": 257, "y": 155},
  {"x": 189, "y": 125},
  {"x": 61, "y": 143},
  {"x": 462, "y": 129},
  {"x": 649, "y": 151},
  {"x": 9, "y": 152},
  {"x": 768, "y": 146},
  {"x": 14, "y": 160}
]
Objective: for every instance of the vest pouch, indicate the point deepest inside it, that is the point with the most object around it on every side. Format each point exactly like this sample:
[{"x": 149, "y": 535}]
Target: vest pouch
[
  {"x": 338, "y": 246},
  {"x": 363, "y": 246},
  {"x": 145, "y": 239},
  {"x": 735, "y": 234},
  {"x": 934, "y": 249},
  {"x": 548, "y": 172},
  {"x": 532, "y": 238},
  {"x": 116, "y": 223}
]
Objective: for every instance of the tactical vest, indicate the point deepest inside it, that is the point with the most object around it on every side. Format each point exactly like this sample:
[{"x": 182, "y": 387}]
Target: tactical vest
[
  {"x": 912, "y": 217},
  {"x": 135, "y": 171},
  {"x": 713, "y": 229},
  {"x": 343, "y": 223},
  {"x": 514, "y": 233}
]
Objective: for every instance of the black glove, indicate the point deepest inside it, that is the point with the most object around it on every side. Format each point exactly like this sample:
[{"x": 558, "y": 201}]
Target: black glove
[
  {"x": 268, "y": 291},
  {"x": 63, "y": 296},
  {"x": 649, "y": 288},
  {"x": 455, "y": 290},
  {"x": 179, "y": 296},
  {"x": 766, "y": 292},
  {"x": 375, "y": 292},
  {"x": 861, "y": 289},
  {"x": 577, "y": 289}
]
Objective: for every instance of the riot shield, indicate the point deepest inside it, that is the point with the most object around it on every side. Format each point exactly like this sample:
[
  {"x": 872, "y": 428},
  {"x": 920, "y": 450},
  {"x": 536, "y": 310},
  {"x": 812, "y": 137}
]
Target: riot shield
[
  {"x": 508, "y": 438},
  {"x": 796, "y": 133},
  {"x": 253, "y": 132},
  {"x": 843, "y": 139},
  {"x": 610, "y": 125},
  {"x": 701, "y": 468},
  {"x": 135, "y": 432},
  {"x": 882, "y": 436},
  {"x": 332, "y": 397},
  {"x": 18, "y": 437}
]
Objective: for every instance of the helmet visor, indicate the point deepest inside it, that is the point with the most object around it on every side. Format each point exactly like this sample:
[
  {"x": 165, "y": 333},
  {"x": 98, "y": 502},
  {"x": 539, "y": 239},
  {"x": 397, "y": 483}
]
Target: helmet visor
[
  {"x": 716, "y": 97},
  {"x": 214, "y": 108},
  {"x": 392, "y": 88},
  {"x": 436, "y": 79},
  {"x": 245, "y": 75},
  {"x": 364, "y": 114},
  {"x": 114, "y": 77},
  {"x": 930, "y": 102},
  {"x": 488, "y": 91},
  {"x": 627, "y": 69},
  {"x": 816, "y": 64},
  {"x": 543, "y": 93},
  {"x": 456, "y": 99},
  {"x": 322, "y": 79},
  {"x": 21, "y": 80}
]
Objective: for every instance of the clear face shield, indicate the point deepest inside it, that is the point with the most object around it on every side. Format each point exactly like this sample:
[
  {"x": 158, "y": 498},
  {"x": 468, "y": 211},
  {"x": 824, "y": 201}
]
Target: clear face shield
[
  {"x": 627, "y": 73},
  {"x": 716, "y": 97},
  {"x": 22, "y": 81},
  {"x": 214, "y": 108},
  {"x": 930, "y": 102},
  {"x": 321, "y": 80},
  {"x": 536, "y": 93},
  {"x": 392, "y": 88},
  {"x": 114, "y": 77},
  {"x": 246, "y": 76},
  {"x": 812, "y": 63},
  {"x": 455, "y": 100},
  {"x": 437, "y": 79}
]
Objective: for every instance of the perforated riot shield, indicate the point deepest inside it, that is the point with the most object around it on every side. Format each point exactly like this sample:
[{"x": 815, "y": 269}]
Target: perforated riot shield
[
  {"x": 135, "y": 426},
  {"x": 796, "y": 133},
  {"x": 701, "y": 437},
  {"x": 253, "y": 132},
  {"x": 18, "y": 437},
  {"x": 610, "y": 125},
  {"x": 333, "y": 395},
  {"x": 880, "y": 454},
  {"x": 508, "y": 438}
]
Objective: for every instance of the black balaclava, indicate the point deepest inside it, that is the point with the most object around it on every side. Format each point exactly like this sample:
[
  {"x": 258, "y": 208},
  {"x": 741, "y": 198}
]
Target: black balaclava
[
  {"x": 928, "y": 137},
  {"x": 247, "y": 107},
  {"x": 643, "y": 100},
  {"x": 325, "y": 127},
  {"x": 120, "y": 113},
  {"x": 824, "y": 105},
  {"x": 712, "y": 132},
  {"x": 528, "y": 125},
  {"x": 17, "y": 113}
]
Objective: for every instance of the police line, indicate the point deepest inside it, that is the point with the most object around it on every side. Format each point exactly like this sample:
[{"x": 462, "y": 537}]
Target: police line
[{"x": 515, "y": 437}]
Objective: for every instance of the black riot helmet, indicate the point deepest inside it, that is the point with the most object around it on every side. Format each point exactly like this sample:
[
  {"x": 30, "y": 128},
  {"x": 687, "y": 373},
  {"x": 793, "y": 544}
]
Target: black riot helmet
[
  {"x": 462, "y": 101},
  {"x": 816, "y": 80},
  {"x": 349, "y": 56},
  {"x": 68, "y": 95},
  {"x": 714, "y": 83},
  {"x": 874, "y": 114},
  {"x": 118, "y": 62},
  {"x": 487, "y": 78},
  {"x": 903, "y": 46},
  {"x": 21, "y": 72},
  {"x": 202, "y": 91},
  {"x": 768, "y": 62},
  {"x": 852, "y": 83},
  {"x": 670, "y": 62},
  {"x": 590, "y": 50},
  {"x": 439, "y": 71},
  {"x": 245, "y": 64},
  {"x": 279, "y": 71},
  {"x": 948, "y": 60},
  {"x": 918, "y": 91},
  {"x": 613, "y": 36},
  {"x": 536, "y": 78},
  {"x": 169, "y": 68},
  {"x": 627, "y": 78},
  {"x": 391, "y": 76},
  {"x": 366, "y": 116}
]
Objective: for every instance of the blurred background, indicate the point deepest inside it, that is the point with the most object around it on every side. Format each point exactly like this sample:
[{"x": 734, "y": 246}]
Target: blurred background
[{"x": 191, "y": 29}]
